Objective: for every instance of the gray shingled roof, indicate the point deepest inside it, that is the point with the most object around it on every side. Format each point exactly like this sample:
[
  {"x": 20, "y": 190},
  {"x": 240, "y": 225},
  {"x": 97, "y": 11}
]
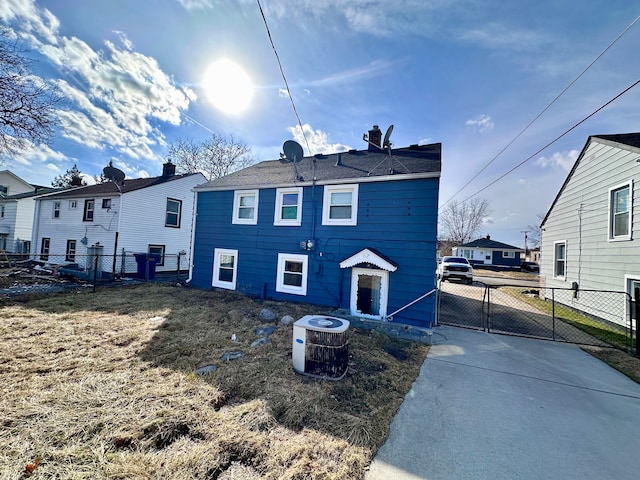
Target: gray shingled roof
[
  {"x": 417, "y": 160},
  {"x": 631, "y": 139},
  {"x": 110, "y": 188},
  {"x": 39, "y": 191},
  {"x": 488, "y": 243}
]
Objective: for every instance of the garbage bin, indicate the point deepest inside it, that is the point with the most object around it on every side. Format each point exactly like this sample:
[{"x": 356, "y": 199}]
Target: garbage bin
[{"x": 146, "y": 265}]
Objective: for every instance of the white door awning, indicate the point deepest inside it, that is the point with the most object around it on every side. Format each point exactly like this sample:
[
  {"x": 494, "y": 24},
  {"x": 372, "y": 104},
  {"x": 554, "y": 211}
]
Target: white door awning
[{"x": 368, "y": 256}]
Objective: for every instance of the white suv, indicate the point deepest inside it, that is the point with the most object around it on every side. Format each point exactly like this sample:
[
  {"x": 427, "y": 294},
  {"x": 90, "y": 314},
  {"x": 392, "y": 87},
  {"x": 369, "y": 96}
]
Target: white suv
[{"x": 455, "y": 267}]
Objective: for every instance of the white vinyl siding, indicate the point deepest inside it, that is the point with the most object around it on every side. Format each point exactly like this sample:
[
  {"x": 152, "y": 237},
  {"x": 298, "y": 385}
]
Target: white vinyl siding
[
  {"x": 245, "y": 207},
  {"x": 292, "y": 274}
]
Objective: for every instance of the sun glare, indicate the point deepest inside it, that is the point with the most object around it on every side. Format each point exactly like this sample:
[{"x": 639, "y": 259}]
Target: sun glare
[{"x": 228, "y": 86}]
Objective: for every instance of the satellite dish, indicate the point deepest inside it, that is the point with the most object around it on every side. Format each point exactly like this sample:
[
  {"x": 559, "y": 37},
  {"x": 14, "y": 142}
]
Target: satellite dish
[
  {"x": 292, "y": 151},
  {"x": 387, "y": 136},
  {"x": 113, "y": 174}
]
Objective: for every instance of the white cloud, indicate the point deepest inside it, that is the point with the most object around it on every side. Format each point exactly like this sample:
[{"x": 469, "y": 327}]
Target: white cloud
[
  {"x": 317, "y": 139},
  {"x": 482, "y": 123},
  {"x": 282, "y": 93},
  {"x": 113, "y": 94},
  {"x": 563, "y": 160},
  {"x": 197, "y": 4}
]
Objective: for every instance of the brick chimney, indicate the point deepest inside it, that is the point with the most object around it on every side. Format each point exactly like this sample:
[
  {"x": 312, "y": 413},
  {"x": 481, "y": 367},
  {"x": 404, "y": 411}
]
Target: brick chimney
[
  {"x": 375, "y": 137},
  {"x": 168, "y": 169}
]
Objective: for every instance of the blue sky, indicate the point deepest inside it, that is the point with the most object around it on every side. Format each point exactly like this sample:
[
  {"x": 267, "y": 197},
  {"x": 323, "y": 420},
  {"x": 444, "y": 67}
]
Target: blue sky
[{"x": 470, "y": 74}]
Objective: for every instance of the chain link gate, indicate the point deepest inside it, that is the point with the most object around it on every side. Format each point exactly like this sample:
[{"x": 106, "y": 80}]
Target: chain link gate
[{"x": 566, "y": 315}]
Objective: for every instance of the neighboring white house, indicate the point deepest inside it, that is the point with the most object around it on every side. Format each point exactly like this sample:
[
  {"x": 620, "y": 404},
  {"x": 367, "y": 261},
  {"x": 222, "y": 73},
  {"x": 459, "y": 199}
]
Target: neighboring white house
[
  {"x": 144, "y": 215},
  {"x": 589, "y": 235},
  {"x": 485, "y": 251},
  {"x": 16, "y": 212}
]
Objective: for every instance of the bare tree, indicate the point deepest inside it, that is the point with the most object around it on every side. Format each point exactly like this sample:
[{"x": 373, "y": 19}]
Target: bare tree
[
  {"x": 534, "y": 233},
  {"x": 460, "y": 222},
  {"x": 215, "y": 157},
  {"x": 26, "y": 102}
]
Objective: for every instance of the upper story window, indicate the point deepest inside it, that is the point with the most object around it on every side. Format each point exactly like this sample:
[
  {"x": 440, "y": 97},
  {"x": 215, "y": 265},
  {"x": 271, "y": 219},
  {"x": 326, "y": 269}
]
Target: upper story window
[
  {"x": 340, "y": 205},
  {"x": 174, "y": 212},
  {"x": 89, "y": 206},
  {"x": 560, "y": 260},
  {"x": 620, "y": 212},
  {"x": 1, "y": 211},
  {"x": 56, "y": 209},
  {"x": 245, "y": 207},
  {"x": 73, "y": 204},
  {"x": 106, "y": 203},
  {"x": 288, "y": 206}
]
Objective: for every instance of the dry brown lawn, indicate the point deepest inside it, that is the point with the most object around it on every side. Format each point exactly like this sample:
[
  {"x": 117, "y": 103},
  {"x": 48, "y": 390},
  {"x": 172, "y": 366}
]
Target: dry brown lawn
[{"x": 102, "y": 385}]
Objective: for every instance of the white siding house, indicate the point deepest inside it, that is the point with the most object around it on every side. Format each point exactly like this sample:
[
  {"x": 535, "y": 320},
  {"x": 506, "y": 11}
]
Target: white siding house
[
  {"x": 146, "y": 215},
  {"x": 16, "y": 212},
  {"x": 590, "y": 233}
]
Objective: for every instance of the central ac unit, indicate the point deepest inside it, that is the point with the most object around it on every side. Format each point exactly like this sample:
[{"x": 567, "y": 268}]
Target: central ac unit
[{"x": 320, "y": 346}]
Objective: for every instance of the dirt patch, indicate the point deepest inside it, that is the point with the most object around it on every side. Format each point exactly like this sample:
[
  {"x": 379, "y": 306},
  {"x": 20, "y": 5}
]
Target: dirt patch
[{"x": 621, "y": 361}]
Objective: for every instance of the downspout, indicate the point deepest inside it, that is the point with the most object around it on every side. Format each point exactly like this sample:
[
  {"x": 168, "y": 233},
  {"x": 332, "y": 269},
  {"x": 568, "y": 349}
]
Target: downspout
[{"x": 194, "y": 213}]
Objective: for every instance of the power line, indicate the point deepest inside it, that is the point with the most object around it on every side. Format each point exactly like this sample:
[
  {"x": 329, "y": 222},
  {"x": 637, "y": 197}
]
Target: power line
[
  {"x": 542, "y": 112},
  {"x": 555, "y": 139},
  {"x": 286, "y": 84}
]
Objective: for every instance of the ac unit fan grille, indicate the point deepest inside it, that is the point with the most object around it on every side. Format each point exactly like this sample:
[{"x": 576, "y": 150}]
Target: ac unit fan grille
[{"x": 326, "y": 354}]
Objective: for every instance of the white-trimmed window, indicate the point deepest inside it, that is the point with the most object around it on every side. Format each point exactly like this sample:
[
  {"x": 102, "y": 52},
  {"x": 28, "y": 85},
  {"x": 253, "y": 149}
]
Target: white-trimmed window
[
  {"x": 288, "y": 206},
  {"x": 292, "y": 273},
  {"x": 44, "y": 249},
  {"x": 71, "y": 251},
  {"x": 225, "y": 268},
  {"x": 340, "y": 205},
  {"x": 245, "y": 207},
  {"x": 620, "y": 212},
  {"x": 89, "y": 206},
  {"x": 509, "y": 254},
  {"x": 73, "y": 204},
  {"x": 56, "y": 209},
  {"x": 560, "y": 260},
  {"x": 158, "y": 251}
]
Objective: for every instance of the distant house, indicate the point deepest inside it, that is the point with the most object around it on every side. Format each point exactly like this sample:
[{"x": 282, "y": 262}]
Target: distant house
[
  {"x": 16, "y": 212},
  {"x": 354, "y": 230},
  {"x": 589, "y": 234},
  {"x": 143, "y": 215},
  {"x": 485, "y": 251}
]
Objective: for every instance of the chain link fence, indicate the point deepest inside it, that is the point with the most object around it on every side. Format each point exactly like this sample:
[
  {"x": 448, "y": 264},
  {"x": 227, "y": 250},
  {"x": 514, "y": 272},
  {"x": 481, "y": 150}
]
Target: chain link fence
[
  {"x": 587, "y": 317},
  {"x": 96, "y": 267}
]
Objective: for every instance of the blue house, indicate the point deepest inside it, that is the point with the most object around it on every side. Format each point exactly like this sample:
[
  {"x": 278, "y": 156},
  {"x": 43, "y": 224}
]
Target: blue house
[
  {"x": 485, "y": 251},
  {"x": 353, "y": 230}
]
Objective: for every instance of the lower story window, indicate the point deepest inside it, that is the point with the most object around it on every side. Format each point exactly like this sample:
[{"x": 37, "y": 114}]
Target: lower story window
[
  {"x": 71, "y": 251},
  {"x": 158, "y": 251},
  {"x": 225, "y": 268},
  {"x": 292, "y": 273},
  {"x": 559, "y": 259}
]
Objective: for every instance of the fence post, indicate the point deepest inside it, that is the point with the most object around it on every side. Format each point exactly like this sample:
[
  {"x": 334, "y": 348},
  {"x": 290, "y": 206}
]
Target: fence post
[
  {"x": 95, "y": 271},
  {"x": 553, "y": 314}
]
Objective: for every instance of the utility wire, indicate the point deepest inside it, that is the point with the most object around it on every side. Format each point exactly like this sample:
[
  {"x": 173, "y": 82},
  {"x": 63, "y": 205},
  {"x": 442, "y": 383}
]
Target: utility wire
[
  {"x": 542, "y": 112},
  {"x": 286, "y": 84},
  {"x": 555, "y": 139}
]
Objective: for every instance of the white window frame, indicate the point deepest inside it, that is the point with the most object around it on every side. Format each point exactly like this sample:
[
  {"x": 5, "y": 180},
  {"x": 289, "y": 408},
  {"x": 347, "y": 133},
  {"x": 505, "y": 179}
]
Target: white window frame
[
  {"x": 170, "y": 214},
  {"x": 384, "y": 291},
  {"x": 159, "y": 250},
  {"x": 280, "y": 194},
  {"x": 283, "y": 258},
  {"x": 73, "y": 204},
  {"x": 237, "y": 199},
  {"x": 510, "y": 254},
  {"x": 326, "y": 205},
  {"x": 89, "y": 210},
  {"x": 215, "y": 279},
  {"x": 56, "y": 208},
  {"x": 555, "y": 259},
  {"x": 1, "y": 211},
  {"x": 629, "y": 281},
  {"x": 612, "y": 215}
]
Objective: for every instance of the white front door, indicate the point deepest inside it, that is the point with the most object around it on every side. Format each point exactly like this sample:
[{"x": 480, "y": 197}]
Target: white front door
[{"x": 369, "y": 291}]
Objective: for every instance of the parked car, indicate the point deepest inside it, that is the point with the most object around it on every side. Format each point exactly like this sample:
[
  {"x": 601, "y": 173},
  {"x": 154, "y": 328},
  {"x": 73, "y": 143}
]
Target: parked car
[
  {"x": 455, "y": 267},
  {"x": 532, "y": 267}
]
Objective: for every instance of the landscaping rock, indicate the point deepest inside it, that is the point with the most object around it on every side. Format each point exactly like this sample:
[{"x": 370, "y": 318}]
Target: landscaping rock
[
  {"x": 286, "y": 320},
  {"x": 206, "y": 370},
  {"x": 262, "y": 331},
  {"x": 228, "y": 356},
  {"x": 261, "y": 341},
  {"x": 267, "y": 316}
]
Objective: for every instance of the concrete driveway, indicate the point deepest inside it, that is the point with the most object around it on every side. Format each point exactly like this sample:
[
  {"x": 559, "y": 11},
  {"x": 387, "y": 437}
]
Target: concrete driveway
[{"x": 488, "y": 406}]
